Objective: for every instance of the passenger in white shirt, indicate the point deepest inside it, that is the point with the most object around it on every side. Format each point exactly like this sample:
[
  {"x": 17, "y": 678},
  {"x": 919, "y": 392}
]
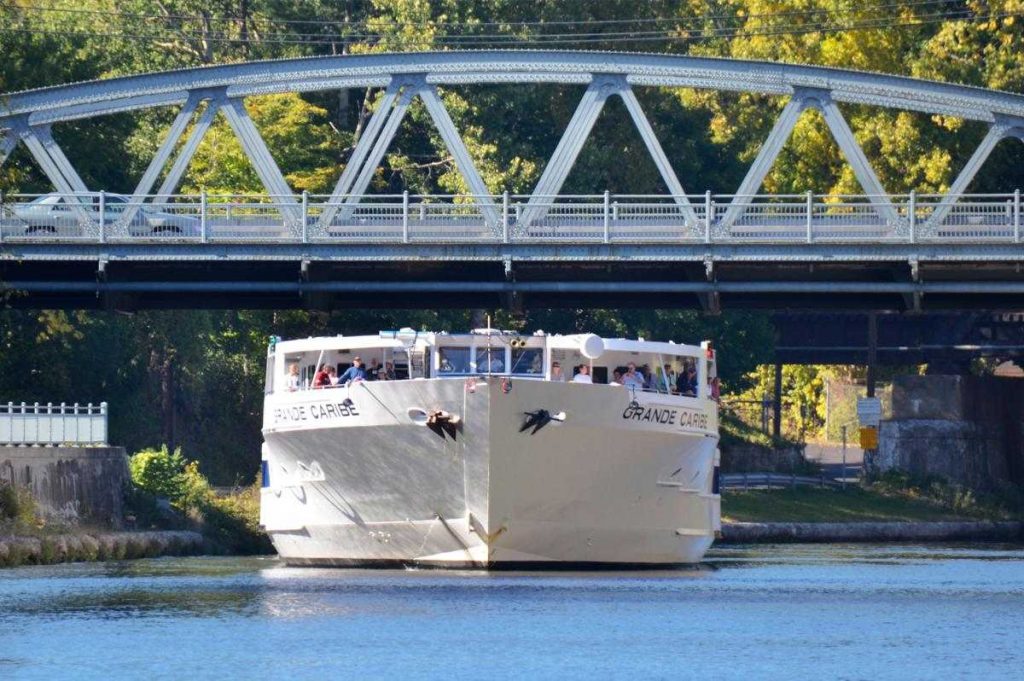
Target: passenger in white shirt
[{"x": 584, "y": 375}]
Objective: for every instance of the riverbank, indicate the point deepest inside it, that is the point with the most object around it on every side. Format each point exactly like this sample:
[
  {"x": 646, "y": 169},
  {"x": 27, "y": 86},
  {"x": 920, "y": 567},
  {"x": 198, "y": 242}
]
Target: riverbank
[
  {"x": 47, "y": 549},
  {"x": 817, "y": 533}
]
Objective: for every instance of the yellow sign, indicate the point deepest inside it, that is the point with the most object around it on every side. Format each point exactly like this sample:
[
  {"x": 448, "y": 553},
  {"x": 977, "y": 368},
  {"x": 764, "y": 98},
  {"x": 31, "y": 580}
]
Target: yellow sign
[{"x": 869, "y": 438}]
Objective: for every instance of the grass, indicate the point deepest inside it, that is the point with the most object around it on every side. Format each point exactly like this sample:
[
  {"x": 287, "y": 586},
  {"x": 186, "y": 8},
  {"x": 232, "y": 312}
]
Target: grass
[{"x": 854, "y": 504}]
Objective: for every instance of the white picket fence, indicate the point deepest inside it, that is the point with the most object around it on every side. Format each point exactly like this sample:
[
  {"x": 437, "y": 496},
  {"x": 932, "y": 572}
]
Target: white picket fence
[{"x": 53, "y": 424}]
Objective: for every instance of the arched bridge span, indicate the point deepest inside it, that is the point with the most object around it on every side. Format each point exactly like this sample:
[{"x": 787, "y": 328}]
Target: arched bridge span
[{"x": 156, "y": 247}]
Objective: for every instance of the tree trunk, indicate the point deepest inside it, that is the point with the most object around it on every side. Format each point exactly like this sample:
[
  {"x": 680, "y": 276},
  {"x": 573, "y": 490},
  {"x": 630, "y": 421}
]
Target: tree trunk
[{"x": 167, "y": 402}]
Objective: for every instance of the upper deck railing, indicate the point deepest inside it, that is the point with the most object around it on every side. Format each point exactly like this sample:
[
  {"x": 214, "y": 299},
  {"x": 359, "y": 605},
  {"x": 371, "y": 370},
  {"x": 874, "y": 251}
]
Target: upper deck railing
[
  {"x": 53, "y": 424},
  {"x": 507, "y": 218}
]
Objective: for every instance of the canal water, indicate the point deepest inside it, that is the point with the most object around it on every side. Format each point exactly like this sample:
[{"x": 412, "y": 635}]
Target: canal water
[{"x": 793, "y": 612}]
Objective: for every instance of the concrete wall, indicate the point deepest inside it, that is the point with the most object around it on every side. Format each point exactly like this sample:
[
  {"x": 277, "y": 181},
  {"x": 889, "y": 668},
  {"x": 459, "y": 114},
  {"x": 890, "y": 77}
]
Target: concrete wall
[
  {"x": 964, "y": 428},
  {"x": 71, "y": 484}
]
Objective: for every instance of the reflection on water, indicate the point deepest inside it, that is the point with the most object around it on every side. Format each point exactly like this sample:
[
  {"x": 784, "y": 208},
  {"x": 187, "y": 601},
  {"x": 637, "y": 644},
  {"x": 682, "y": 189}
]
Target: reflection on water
[{"x": 844, "y": 611}]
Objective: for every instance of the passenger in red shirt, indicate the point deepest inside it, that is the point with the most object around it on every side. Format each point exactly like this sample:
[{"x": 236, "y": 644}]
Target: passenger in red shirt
[{"x": 322, "y": 378}]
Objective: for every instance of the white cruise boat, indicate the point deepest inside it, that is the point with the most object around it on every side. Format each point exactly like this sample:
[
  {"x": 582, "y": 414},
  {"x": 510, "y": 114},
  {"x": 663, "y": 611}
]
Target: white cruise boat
[{"x": 477, "y": 455}]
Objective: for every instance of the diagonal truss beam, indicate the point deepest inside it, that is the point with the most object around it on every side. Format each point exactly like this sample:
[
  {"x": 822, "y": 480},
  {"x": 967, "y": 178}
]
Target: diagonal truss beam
[
  {"x": 568, "y": 149},
  {"x": 377, "y": 150},
  {"x": 55, "y": 165},
  {"x": 184, "y": 157},
  {"x": 7, "y": 143},
  {"x": 380, "y": 132},
  {"x": 364, "y": 145},
  {"x": 997, "y": 132},
  {"x": 181, "y": 121},
  {"x": 783, "y": 127},
  {"x": 865, "y": 174},
  {"x": 53, "y": 149},
  {"x": 258, "y": 154},
  {"x": 658, "y": 154},
  {"x": 463, "y": 161}
]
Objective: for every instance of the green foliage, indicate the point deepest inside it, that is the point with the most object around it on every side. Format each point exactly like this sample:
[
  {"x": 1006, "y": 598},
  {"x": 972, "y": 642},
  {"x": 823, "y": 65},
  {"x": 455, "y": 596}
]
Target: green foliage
[
  {"x": 168, "y": 474},
  {"x": 233, "y": 522},
  {"x": 17, "y": 505},
  {"x": 1007, "y": 502}
]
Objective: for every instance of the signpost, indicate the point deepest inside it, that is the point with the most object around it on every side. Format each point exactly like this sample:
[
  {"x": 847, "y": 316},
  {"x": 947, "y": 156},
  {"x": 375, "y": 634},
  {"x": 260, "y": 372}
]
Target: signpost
[{"x": 869, "y": 413}]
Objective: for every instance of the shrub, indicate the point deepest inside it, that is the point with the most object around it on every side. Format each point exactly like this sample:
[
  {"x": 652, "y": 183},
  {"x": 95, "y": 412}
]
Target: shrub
[
  {"x": 17, "y": 504},
  {"x": 167, "y": 474}
]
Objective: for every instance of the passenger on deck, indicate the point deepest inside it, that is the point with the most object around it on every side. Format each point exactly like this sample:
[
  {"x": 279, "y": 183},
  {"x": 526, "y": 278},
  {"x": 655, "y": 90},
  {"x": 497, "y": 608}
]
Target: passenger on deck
[
  {"x": 687, "y": 383},
  {"x": 294, "y": 380},
  {"x": 667, "y": 378},
  {"x": 491, "y": 363},
  {"x": 332, "y": 375},
  {"x": 648, "y": 375},
  {"x": 633, "y": 379},
  {"x": 353, "y": 373},
  {"x": 556, "y": 373},
  {"x": 443, "y": 365},
  {"x": 616, "y": 377},
  {"x": 387, "y": 373},
  {"x": 583, "y": 375},
  {"x": 322, "y": 379},
  {"x": 373, "y": 372}
]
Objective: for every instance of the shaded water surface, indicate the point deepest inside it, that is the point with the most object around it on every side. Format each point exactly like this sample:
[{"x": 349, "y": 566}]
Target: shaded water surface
[{"x": 858, "y": 612}]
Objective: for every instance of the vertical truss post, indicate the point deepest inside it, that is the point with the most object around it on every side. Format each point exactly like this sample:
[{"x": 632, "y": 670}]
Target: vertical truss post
[
  {"x": 810, "y": 217},
  {"x": 405, "y": 216},
  {"x": 865, "y": 174},
  {"x": 305, "y": 216},
  {"x": 1016, "y": 216},
  {"x": 765, "y": 158},
  {"x": 103, "y": 215},
  {"x": 912, "y": 215},
  {"x": 607, "y": 215},
  {"x": 504, "y": 216},
  {"x": 1000, "y": 129},
  {"x": 709, "y": 216},
  {"x": 568, "y": 149},
  {"x": 203, "y": 212}
]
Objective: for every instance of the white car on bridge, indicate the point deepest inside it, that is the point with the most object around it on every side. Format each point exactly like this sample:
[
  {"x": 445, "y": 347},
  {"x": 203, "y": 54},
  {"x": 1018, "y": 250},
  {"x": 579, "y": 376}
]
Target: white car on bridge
[{"x": 57, "y": 214}]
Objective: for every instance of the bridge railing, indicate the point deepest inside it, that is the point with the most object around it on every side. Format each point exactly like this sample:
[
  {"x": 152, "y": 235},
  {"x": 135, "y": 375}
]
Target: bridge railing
[
  {"x": 53, "y": 424},
  {"x": 411, "y": 218}
]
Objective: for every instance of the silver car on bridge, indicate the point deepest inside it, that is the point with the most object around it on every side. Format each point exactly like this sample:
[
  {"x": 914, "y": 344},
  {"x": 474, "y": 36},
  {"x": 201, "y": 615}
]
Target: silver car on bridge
[{"x": 75, "y": 215}]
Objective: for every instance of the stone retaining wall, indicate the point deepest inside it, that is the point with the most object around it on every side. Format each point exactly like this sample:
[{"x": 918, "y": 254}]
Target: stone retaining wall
[
  {"x": 967, "y": 429},
  {"x": 102, "y": 546},
  {"x": 71, "y": 484}
]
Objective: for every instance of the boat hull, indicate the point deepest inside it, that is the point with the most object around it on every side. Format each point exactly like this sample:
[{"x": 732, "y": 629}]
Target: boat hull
[{"x": 602, "y": 485}]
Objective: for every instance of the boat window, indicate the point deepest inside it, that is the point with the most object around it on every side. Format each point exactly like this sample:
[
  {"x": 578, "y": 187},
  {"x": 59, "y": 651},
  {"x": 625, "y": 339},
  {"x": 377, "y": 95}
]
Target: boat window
[
  {"x": 527, "y": 361},
  {"x": 269, "y": 385},
  {"x": 490, "y": 360},
  {"x": 453, "y": 360}
]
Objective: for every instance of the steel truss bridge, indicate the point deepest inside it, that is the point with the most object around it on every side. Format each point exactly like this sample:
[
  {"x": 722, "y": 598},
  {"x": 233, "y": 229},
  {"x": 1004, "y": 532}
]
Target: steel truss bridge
[{"x": 154, "y": 247}]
